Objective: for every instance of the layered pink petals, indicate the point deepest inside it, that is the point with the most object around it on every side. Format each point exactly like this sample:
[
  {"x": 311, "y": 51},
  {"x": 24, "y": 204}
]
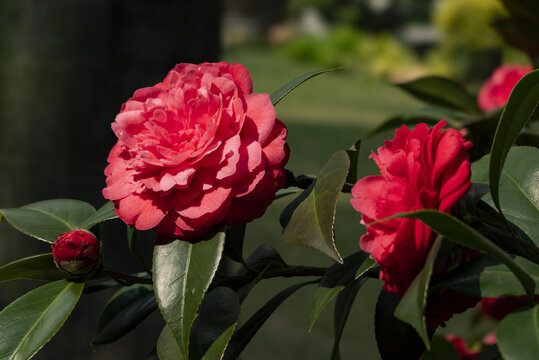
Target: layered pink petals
[
  {"x": 495, "y": 91},
  {"x": 195, "y": 152},
  {"x": 420, "y": 169}
]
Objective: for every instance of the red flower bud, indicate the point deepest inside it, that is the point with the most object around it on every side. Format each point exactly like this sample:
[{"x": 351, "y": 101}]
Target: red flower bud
[{"x": 77, "y": 252}]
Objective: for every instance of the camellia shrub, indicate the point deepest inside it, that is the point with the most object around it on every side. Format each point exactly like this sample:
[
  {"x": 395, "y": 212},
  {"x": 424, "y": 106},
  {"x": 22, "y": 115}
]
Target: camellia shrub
[{"x": 452, "y": 220}]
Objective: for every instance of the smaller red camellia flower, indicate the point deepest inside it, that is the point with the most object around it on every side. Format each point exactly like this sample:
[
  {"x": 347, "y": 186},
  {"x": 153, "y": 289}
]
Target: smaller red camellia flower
[
  {"x": 464, "y": 352},
  {"x": 77, "y": 252},
  {"x": 495, "y": 91},
  {"x": 195, "y": 152}
]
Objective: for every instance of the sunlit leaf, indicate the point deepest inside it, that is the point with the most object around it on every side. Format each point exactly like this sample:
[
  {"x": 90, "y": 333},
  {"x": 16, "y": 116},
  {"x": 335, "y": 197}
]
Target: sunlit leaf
[
  {"x": 182, "y": 275},
  {"x": 285, "y": 90}
]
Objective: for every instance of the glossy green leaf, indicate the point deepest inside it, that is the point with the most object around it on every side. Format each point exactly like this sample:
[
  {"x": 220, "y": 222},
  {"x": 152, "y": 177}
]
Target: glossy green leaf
[
  {"x": 518, "y": 335},
  {"x": 441, "y": 349},
  {"x": 31, "y": 321},
  {"x": 311, "y": 223},
  {"x": 353, "y": 155},
  {"x": 125, "y": 310},
  {"x": 520, "y": 106},
  {"x": 334, "y": 281},
  {"x": 182, "y": 275},
  {"x": 104, "y": 213},
  {"x": 368, "y": 264},
  {"x": 285, "y": 90},
  {"x": 344, "y": 303},
  {"x": 518, "y": 188},
  {"x": 441, "y": 91},
  {"x": 39, "y": 267},
  {"x": 455, "y": 230},
  {"x": 46, "y": 220},
  {"x": 486, "y": 277},
  {"x": 411, "y": 308},
  {"x": 167, "y": 347},
  {"x": 247, "y": 331},
  {"x": 395, "y": 339},
  {"x": 218, "y": 315},
  {"x": 217, "y": 349}
]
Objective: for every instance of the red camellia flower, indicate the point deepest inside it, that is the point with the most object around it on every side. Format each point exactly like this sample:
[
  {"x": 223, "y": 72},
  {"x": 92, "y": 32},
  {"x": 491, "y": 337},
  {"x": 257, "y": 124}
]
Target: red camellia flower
[
  {"x": 420, "y": 169},
  {"x": 500, "y": 307},
  {"x": 495, "y": 91},
  {"x": 196, "y": 151},
  {"x": 77, "y": 252}
]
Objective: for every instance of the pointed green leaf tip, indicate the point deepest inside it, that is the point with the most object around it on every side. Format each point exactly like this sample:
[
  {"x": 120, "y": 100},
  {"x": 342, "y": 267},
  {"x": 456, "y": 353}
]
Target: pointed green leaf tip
[{"x": 311, "y": 223}]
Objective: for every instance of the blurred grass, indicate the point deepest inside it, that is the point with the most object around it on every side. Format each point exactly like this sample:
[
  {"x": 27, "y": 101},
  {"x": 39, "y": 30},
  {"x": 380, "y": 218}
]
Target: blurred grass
[{"x": 326, "y": 114}]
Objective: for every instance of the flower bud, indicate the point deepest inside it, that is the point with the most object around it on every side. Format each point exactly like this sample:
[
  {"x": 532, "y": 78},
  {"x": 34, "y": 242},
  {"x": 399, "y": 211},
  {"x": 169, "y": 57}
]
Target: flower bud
[{"x": 77, "y": 252}]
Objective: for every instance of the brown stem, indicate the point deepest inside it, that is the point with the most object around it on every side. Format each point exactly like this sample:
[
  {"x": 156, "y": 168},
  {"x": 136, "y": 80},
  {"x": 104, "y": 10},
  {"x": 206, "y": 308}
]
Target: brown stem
[{"x": 128, "y": 278}]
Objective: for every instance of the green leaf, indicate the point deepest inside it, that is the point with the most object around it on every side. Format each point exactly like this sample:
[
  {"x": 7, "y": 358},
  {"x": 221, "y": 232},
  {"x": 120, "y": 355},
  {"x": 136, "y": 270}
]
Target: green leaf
[
  {"x": 182, "y": 275},
  {"x": 486, "y": 277},
  {"x": 167, "y": 347},
  {"x": 441, "y": 91},
  {"x": 441, "y": 349},
  {"x": 411, "y": 308},
  {"x": 334, "y": 281},
  {"x": 217, "y": 349},
  {"x": 235, "y": 235},
  {"x": 31, "y": 321},
  {"x": 520, "y": 106},
  {"x": 368, "y": 264},
  {"x": 243, "y": 336},
  {"x": 518, "y": 335},
  {"x": 48, "y": 219},
  {"x": 125, "y": 310},
  {"x": 38, "y": 267},
  {"x": 458, "y": 232},
  {"x": 353, "y": 155},
  {"x": 218, "y": 314},
  {"x": 104, "y": 213},
  {"x": 285, "y": 90},
  {"x": 395, "y": 339},
  {"x": 518, "y": 182},
  {"x": 311, "y": 223},
  {"x": 344, "y": 303},
  {"x": 133, "y": 243}
]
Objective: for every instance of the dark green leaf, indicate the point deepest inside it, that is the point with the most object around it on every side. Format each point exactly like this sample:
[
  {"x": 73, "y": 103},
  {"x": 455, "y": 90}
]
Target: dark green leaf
[
  {"x": 518, "y": 181},
  {"x": 486, "y": 277},
  {"x": 39, "y": 267},
  {"x": 182, "y": 275},
  {"x": 455, "y": 230},
  {"x": 518, "y": 335},
  {"x": 46, "y": 220},
  {"x": 285, "y": 90},
  {"x": 219, "y": 311},
  {"x": 490, "y": 353},
  {"x": 520, "y": 106},
  {"x": 133, "y": 242},
  {"x": 441, "y": 91},
  {"x": 368, "y": 264},
  {"x": 235, "y": 235},
  {"x": 395, "y": 339},
  {"x": 217, "y": 349},
  {"x": 261, "y": 257},
  {"x": 353, "y": 155},
  {"x": 243, "y": 291},
  {"x": 344, "y": 303},
  {"x": 285, "y": 192},
  {"x": 104, "y": 213},
  {"x": 123, "y": 312},
  {"x": 311, "y": 223},
  {"x": 243, "y": 336},
  {"x": 411, "y": 308},
  {"x": 31, "y": 321},
  {"x": 441, "y": 349}
]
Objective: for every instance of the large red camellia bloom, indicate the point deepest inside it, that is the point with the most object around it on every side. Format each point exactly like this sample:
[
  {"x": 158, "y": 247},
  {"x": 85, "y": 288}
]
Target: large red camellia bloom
[
  {"x": 420, "y": 169},
  {"x": 196, "y": 151},
  {"x": 495, "y": 91}
]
